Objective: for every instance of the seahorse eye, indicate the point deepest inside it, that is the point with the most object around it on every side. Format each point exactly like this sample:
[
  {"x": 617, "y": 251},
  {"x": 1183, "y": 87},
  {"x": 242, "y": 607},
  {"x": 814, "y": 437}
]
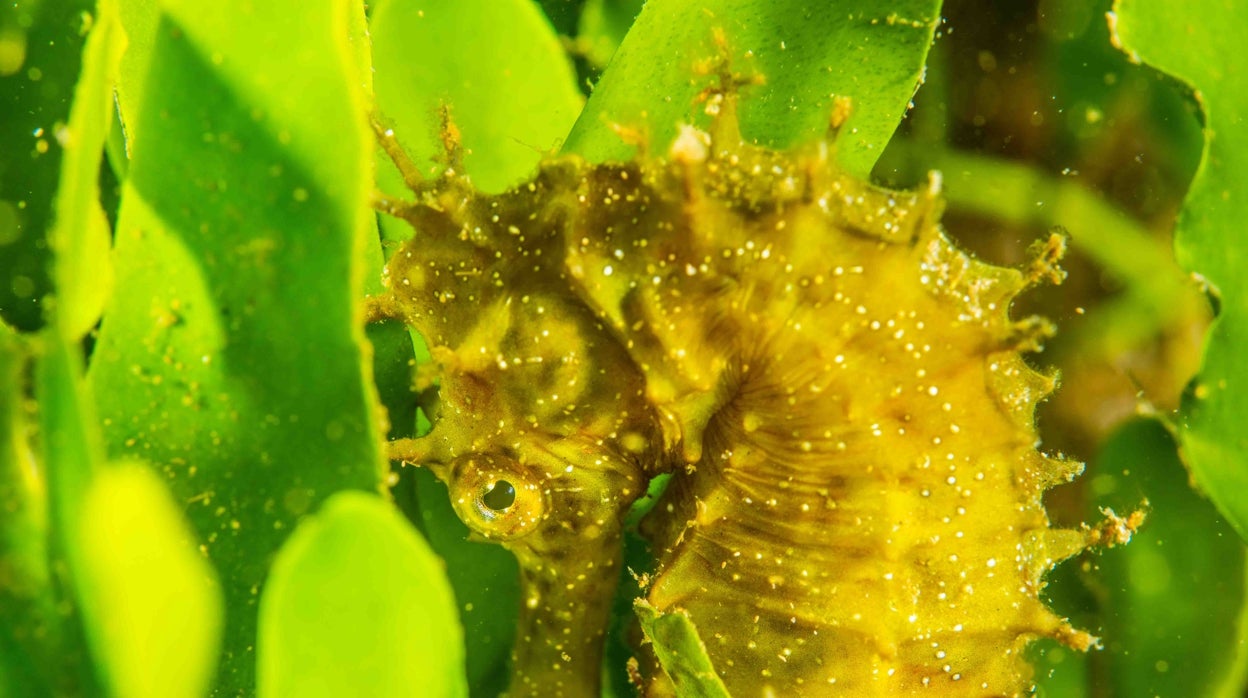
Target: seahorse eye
[{"x": 497, "y": 496}]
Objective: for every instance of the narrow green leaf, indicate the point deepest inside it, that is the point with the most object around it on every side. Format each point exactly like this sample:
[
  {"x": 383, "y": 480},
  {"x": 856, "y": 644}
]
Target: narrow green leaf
[
  {"x": 510, "y": 88},
  {"x": 806, "y": 52},
  {"x": 27, "y": 607},
  {"x": 359, "y": 605},
  {"x": 72, "y": 452},
  {"x": 1201, "y": 43},
  {"x": 80, "y": 236},
  {"x": 231, "y": 356},
  {"x": 1172, "y": 599},
  {"x": 150, "y": 601},
  {"x": 680, "y": 651}
]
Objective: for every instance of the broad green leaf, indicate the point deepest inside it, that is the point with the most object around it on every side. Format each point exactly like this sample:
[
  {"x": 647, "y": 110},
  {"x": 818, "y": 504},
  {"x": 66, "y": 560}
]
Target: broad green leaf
[
  {"x": 680, "y": 651},
  {"x": 1201, "y": 43},
  {"x": 27, "y": 608},
  {"x": 231, "y": 356},
  {"x": 139, "y": 18},
  {"x": 602, "y": 27},
  {"x": 359, "y": 605},
  {"x": 496, "y": 64},
  {"x": 150, "y": 601},
  {"x": 1171, "y": 599},
  {"x": 80, "y": 236},
  {"x": 360, "y": 46},
  {"x": 806, "y": 52}
]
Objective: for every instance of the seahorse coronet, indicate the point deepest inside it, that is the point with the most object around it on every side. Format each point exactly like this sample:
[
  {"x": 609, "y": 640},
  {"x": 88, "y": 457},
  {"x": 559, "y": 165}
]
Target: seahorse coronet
[{"x": 838, "y": 391}]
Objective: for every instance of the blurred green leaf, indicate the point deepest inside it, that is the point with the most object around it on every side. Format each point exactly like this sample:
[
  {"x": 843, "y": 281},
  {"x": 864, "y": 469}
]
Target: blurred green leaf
[
  {"x": 151, "y": 602},
  {"x": 806, "y": 52},
  {"x": 27, "y": 607},
  {"x": 602, "y": 27},
  {"x": 72, "y": 452},
  {"x": 680, "y": 651},
  {"x": 1172, "y": 599},
  {"x": 231, "y": 356},
  {"x": 40, "y": 53},
  {"x": 359, "y": 605},
  {"x": 80, "y": 237},
  {"x": 1201, "y": 43},
  {"x": 510, "y": 87}
]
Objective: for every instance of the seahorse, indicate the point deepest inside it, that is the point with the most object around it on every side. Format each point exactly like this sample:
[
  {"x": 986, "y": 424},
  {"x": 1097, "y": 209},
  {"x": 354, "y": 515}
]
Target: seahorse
[{"x": 839, "y": 392}]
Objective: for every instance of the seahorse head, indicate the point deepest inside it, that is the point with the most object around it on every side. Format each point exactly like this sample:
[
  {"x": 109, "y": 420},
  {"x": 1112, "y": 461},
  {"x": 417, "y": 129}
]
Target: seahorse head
[{"x": 543, "y": 434}]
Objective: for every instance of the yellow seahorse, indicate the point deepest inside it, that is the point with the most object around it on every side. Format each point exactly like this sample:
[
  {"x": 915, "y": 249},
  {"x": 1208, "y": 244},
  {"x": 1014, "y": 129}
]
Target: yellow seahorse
[{"x": 839, "y": 391}]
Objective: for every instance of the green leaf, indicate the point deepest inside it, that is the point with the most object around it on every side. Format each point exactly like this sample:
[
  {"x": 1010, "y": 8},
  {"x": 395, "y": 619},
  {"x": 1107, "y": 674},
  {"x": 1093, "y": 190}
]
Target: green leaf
[
  {"x": 807, "y": 53},
  {"x": 680, "y": 651},
  {"x": 510, "y": 87},
  {"x": 80, "y": 236},
  {"x": 42, "y": 47},
  {"x": 27, "y": 608},
  {"x": 139, "y": 18},
  {"x": 231, "y": 356},
  {"x": 1201, "y": 43},
  {"x": 72, "y": 452},
  {"x": 358, "y": 604},
  {"x": 1171, "y": 600},
  {"x": 150, "y": 601},
  {"x": 602, "y": 27}
]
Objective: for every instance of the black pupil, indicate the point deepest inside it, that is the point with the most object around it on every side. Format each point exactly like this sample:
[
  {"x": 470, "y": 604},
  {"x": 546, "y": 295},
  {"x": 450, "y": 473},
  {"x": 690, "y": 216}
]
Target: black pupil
[{"x": 500, "y": 496}]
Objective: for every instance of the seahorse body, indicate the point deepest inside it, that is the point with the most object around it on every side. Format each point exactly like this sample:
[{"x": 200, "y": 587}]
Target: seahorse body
[{"x": 856, "y": 505}]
